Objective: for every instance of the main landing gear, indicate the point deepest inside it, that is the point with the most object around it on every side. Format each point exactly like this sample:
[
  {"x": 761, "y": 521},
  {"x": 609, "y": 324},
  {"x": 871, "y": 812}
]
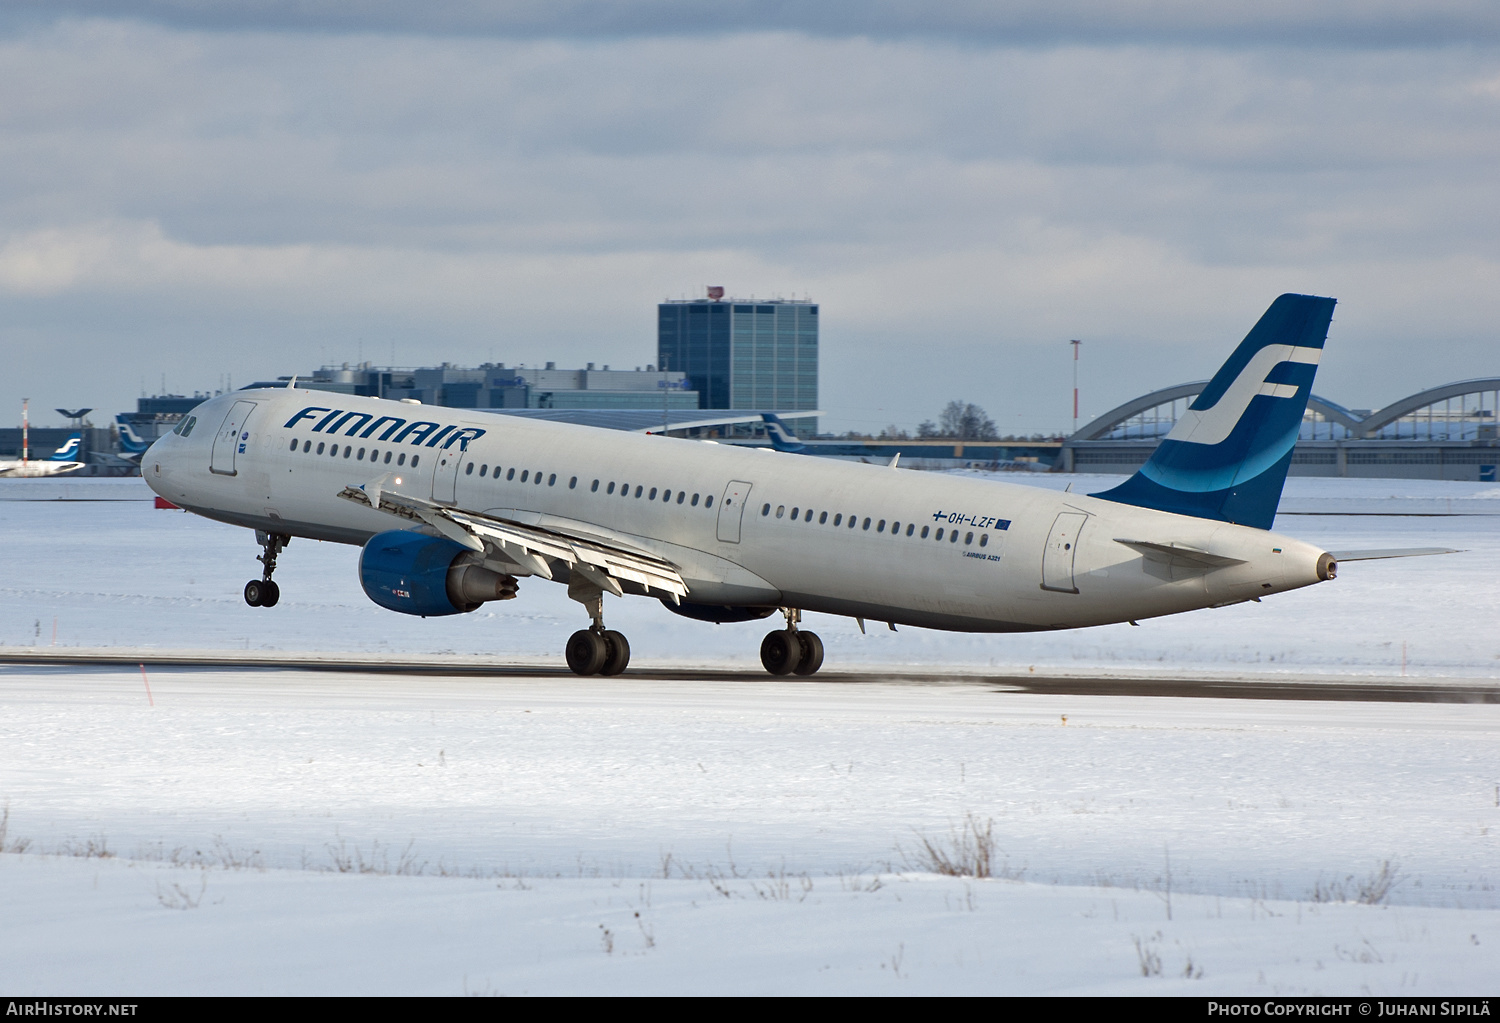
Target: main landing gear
[
  {"x": 264, "y": 592},
  {"x": 595, "y": 650},
  {"x": 791, "y": 651}
]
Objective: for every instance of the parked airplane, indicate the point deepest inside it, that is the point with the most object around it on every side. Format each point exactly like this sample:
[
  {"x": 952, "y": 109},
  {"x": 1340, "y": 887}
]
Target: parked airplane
[
  {"x": 781, "y": 438},
  {"x": 132, "y": 444},
  {"x": 58, "y": 463},
  {"x": 452, "y": 507}
]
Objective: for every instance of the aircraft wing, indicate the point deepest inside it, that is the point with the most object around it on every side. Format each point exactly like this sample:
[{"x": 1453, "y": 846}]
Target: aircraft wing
[{"x": 605, "y": 564}]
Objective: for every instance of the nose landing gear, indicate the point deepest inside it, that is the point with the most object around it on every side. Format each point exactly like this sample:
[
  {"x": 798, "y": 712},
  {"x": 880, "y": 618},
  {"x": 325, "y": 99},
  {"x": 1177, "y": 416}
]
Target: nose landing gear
[
  {"x": 264, "y": 592},
  {"x": 791, "y": 651}
]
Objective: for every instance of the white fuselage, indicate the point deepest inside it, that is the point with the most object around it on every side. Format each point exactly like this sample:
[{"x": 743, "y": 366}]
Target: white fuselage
[{"x": 996, "y": 557}]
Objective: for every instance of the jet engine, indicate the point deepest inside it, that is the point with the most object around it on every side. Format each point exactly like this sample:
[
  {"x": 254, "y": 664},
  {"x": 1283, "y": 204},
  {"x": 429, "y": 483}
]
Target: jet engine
[{"x": 427, "y": 575}]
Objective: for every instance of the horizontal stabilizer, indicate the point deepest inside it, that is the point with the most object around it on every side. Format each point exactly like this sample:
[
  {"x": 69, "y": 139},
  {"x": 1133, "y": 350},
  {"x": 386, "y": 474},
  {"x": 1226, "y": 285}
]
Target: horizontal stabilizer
[
  {"x": 1395, "y": 552},
  {"x": 1177, "y": 550}
]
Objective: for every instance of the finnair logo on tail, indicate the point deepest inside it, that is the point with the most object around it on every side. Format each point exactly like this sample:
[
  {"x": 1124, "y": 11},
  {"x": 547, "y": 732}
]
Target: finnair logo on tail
[{"x": 1214, "y": 425}]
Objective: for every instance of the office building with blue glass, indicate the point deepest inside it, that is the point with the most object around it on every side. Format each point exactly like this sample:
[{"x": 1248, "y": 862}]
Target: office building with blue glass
[{"x": 743, "y": 355}]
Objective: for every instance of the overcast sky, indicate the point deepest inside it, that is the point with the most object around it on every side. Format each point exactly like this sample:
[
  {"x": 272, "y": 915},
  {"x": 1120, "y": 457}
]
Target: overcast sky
[{"x": 192, "y": 192}]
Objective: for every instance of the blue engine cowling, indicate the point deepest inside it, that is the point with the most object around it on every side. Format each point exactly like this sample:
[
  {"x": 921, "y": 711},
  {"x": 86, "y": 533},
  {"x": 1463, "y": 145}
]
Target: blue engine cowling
[{"x": 409, "y": 572}]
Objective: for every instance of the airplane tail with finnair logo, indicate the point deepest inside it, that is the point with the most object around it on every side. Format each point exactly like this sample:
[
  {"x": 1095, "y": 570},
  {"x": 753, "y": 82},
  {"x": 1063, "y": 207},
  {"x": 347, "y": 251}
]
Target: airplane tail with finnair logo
[
  {"x": 781, "y": 438},
  {"x": 1227, "y": 457}
]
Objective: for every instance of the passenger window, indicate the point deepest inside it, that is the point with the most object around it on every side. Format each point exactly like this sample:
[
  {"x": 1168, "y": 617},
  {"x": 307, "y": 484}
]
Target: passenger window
[
  {"x": 953, "y": 537},
  {"x": 624, "y": 489},
  {"x": 414, "y": 460},
  {"x": 595, "y": 488},
  {"x": 399, "y": 461},
  {"x": 638, "y": 489},
  {"x": 387, "y": 458},
  {"x": 939, "y": 535},
  {"x": 573, "y": 483},
  {"x": 469, "y": 469},
  {"x": 765, "y": 510},
  {"x": 838, "y": 519},
  {"x": 483, "y": 471},
  {"x": 307, "y": 446},
  {"x": 968, "y": 539},
  {"x": 909, "y": 528},
  {"x": 374, "y": 455},
  {"x": 611, "y": 489},
  {"x": 348, "y": 448},
  {"x": 511, "y": 473},
  {"x": 294, "y": 443},
  {"x": 780, "y": 510},
  {"x": 695, "y": 500},
  {"x": 666, "y": 496},
  {"x": 822, "y": 518},
  {"x": 880, "y": 528},
  {"x": 551, "y": 479},
  {"x": 524, "y": 473},
  {"x": 708, "y": 502},
  {"x": 924, "y": 532},
  {"x": 680, "y": 495},
  {"x": 984, "y": 539},
  {"x": 867, "y": 522},
  {"x": 651, "y": 496},
  {"x": 361, "y": 454},
  {"x": 536, "y": 477},
  {"x": 895, "y": 528}
]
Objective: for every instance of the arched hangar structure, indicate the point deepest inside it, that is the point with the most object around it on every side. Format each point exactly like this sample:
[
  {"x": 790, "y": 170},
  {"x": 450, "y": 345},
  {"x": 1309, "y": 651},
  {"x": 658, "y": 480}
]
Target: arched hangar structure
[{"x": 1445, "y": 432}]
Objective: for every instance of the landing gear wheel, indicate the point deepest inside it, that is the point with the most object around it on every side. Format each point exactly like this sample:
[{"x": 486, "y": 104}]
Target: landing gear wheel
[
  {"x": 619, "y": 653},
  {"x": 586, "y": 652},
  {"x": 270, "y": 595},
  {"x": 780, "y": 652},
  {"x": 255, "y": 592},
  {"x": 812, "y": 653}
]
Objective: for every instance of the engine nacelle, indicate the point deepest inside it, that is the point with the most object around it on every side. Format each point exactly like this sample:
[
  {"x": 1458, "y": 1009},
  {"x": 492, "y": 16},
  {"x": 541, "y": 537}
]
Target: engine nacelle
[{"x": 427, "y": 575}]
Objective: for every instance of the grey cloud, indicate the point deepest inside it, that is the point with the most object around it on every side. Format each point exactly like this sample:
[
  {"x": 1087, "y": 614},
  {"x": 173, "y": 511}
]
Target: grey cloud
[
  {"x": 252, "y": 202},
  {"x": 1033, "y": 22}
]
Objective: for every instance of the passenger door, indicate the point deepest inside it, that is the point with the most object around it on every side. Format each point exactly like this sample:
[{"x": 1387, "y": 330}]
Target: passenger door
[
  {"x": 1061, "y": 549},
  {"x": 445, "y": 475},
  {"x": 231, "y": 438},
  {"x": 732, "y": 510}
]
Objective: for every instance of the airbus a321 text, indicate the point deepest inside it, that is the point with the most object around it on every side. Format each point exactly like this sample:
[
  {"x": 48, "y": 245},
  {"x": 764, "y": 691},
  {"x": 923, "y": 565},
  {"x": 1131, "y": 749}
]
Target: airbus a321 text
[{"x": 452, "y": 508}]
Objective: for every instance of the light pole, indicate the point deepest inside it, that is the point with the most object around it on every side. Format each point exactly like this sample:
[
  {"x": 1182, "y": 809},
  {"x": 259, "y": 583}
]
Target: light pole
[{"x": 1076, "y": 345}]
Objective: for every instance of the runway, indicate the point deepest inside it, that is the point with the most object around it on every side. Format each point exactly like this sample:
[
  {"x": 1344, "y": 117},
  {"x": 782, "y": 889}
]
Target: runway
[{"x": 1242, "y": 686}]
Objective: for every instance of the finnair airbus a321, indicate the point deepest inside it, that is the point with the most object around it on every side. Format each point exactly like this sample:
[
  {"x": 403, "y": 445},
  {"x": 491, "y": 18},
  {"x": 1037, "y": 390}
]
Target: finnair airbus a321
[{"x": 452, "y": 507}]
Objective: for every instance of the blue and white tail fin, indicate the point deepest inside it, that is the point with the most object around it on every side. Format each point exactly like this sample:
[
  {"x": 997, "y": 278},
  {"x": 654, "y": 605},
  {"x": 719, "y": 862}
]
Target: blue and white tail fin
[
  {"x": 782, "y": 439},
  {"x": 131, "y": 443},
  {"x": 1227, "y": 457},
  {"x": 69, "y": 450}
]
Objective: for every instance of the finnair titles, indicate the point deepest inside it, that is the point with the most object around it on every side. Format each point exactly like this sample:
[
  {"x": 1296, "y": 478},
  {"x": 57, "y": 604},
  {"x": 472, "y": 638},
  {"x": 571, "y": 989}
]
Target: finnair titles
[{"x": 453, "y": 508}]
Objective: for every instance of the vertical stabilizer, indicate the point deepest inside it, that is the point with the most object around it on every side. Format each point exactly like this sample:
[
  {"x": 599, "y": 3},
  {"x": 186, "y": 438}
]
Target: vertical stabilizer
[{"x": 1227, "y": 457}]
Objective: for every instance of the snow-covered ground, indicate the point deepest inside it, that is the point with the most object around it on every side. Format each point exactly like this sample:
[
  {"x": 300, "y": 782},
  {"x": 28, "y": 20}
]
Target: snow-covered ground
[{"x": 289, "y": 831}]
